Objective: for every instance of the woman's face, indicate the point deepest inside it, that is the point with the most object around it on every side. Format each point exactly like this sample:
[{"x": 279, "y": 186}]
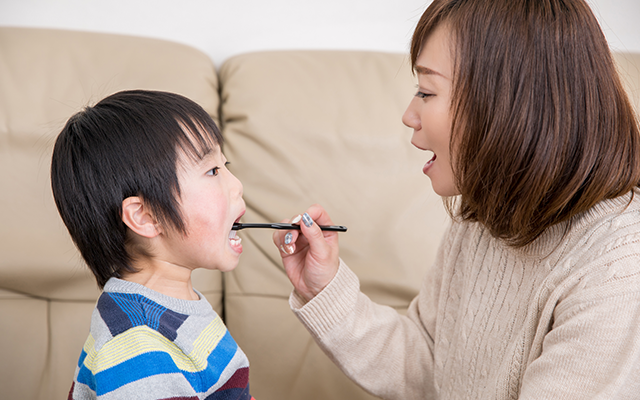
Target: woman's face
[{"x": 429, "y": 113}]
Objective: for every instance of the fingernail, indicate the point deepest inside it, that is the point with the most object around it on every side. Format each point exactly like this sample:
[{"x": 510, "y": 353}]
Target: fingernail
[
  {"x": 307, "y": 220},
  {"x": 287, "y": 249},
  {"x": 296, "y": 219},
  {"x": 288, "y": 238}
]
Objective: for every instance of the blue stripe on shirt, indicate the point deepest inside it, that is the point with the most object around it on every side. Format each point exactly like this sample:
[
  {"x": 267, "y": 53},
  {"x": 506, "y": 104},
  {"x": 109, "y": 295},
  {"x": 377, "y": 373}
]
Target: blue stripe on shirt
[{"x": 156, "y": 363}]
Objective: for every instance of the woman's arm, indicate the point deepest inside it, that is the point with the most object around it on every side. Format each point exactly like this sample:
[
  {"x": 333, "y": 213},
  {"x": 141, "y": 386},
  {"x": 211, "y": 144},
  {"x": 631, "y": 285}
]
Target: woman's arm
[{"x": 388, "y": 354}]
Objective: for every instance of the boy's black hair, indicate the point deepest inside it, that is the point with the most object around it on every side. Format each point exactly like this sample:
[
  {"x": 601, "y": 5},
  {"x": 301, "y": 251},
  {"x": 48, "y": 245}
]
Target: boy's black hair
[{"x": 126, "y": 145}]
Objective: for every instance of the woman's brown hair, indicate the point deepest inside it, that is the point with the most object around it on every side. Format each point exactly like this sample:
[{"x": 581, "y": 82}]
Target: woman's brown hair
[{"x": 542, "y": 127}]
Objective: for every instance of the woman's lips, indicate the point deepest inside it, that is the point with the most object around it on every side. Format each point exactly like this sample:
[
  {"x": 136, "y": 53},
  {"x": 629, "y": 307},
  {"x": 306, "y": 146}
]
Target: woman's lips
[{"x": 428, "y": 164}]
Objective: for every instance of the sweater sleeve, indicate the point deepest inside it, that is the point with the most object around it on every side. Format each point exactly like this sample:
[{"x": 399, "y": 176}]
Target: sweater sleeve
[
  {"x": 593, "y": 348},
  {"x": 387, "y": 354}
]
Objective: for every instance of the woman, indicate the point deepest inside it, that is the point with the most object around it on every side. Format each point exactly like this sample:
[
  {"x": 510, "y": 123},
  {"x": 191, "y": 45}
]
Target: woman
[{"x": 535, "y": 292}]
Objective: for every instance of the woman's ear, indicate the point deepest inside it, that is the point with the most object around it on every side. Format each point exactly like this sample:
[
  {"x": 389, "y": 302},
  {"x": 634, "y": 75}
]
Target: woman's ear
[{"x": 136, "y": 215}]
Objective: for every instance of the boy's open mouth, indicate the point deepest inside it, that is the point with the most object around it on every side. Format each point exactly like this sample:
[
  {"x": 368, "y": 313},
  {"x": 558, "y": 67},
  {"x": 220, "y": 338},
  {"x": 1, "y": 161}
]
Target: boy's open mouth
[{"x": 234, "y": 239}]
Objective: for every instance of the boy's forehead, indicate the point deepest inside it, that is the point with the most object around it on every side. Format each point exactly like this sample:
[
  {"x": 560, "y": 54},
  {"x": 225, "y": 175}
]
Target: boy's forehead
[
  {"x": 197, "y": 134},
  {"x": 214, "y": 153}
]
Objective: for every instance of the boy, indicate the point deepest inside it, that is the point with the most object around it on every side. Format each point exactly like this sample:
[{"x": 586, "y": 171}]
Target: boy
[{"x": 142, "y": 186}]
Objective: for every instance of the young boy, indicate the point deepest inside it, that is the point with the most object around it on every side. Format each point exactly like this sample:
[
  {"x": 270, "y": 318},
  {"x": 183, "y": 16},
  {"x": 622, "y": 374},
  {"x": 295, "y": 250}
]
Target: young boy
[{"x": 142, "y": 186}]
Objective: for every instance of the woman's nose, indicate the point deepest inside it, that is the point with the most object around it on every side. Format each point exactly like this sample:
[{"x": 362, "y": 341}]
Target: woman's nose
[{"x": 411, "y": 118}]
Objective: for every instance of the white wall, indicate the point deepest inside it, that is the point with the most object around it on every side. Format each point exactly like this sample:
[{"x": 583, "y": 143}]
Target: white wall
[{"x": 222, "y": 28}]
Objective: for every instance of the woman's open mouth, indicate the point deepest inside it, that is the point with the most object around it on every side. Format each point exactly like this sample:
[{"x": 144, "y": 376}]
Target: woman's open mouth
[{"x": 428, "y": 164}]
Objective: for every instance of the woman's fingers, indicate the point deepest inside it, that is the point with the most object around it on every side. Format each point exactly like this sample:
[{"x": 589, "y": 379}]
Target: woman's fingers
[
  {"x": 289, "y": 245},
  {"x": 313, "y": 233},
  {"x": 310, "y": 255},
  {"x": 319, "y": 215},
  {"x": 286, "y": 240}
]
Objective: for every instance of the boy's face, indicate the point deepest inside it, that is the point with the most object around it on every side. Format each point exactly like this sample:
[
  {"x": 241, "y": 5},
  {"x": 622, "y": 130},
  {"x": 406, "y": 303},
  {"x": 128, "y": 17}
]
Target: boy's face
[{"x": 210, "y": 202}]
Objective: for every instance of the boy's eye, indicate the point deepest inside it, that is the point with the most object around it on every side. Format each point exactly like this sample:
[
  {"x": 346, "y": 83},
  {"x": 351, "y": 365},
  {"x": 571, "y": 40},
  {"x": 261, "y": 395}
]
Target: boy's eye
[{"x": 214, "y": 171}]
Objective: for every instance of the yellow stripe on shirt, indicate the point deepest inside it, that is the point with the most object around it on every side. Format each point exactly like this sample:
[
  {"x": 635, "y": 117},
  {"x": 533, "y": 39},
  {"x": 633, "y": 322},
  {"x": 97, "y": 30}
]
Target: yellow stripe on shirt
[{"x": 142, "y": 339}]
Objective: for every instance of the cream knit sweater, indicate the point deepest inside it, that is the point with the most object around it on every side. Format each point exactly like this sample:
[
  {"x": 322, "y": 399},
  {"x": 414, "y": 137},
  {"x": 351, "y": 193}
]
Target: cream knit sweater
[{"x": 559, "y": 319}]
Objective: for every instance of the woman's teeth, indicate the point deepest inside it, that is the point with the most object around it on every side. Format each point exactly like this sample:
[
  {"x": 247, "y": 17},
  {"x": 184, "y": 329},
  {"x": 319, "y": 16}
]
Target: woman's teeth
[
  {"x": 427, "y": 166},
  {"x": 433, "y": 158}
]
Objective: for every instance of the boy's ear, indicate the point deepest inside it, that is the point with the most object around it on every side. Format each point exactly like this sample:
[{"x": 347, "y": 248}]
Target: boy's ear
[{"x": 138, "y": 218}]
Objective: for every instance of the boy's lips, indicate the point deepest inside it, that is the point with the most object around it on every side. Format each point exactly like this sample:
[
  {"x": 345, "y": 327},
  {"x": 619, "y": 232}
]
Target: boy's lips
[
  {"x": 234, "y": 240},
  {"x": 238, "y": 219}
]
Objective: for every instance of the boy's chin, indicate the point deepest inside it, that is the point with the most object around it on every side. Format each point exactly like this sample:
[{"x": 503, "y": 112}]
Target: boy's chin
[{"x": 226, "y": 267}]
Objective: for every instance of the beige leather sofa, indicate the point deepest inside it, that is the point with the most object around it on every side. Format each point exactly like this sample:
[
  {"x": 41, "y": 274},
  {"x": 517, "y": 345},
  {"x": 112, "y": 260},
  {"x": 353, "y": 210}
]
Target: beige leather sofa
[{"x": 300, "y": 128}]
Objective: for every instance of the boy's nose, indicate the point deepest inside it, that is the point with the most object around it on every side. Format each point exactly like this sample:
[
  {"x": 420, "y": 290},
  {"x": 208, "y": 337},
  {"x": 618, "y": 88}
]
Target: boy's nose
[{"x": 239, "y": 188}]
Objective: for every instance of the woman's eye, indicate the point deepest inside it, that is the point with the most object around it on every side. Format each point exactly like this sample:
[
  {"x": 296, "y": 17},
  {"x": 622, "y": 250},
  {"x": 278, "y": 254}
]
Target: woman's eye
[
  {"x": 213, "y": 171},
  {"x": 422, "y": 95}
]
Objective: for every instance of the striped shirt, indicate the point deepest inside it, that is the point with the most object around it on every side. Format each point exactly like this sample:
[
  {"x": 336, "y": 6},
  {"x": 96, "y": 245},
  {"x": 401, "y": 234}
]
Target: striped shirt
[{"x": 146, "y": 345}]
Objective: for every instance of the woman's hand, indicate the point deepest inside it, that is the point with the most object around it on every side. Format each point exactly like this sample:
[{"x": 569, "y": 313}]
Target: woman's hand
[{"x": 311, "y": 258}]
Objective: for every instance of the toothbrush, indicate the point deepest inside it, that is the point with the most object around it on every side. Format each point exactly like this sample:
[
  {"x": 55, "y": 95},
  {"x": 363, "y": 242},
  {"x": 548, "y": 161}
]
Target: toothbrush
[{"x": 333, "y": 228}]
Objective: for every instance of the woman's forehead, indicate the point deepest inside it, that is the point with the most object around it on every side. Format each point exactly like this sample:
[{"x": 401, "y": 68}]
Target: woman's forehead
[{"x": 436, "y": 57}]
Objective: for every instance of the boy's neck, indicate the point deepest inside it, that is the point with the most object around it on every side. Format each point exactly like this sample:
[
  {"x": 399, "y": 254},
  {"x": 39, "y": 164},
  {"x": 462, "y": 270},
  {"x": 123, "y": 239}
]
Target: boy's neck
[{"x": 166, "y": 279}]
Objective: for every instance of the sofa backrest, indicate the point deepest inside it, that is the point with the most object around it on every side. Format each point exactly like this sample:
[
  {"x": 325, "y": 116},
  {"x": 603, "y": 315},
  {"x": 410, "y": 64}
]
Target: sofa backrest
[
  {"x": 325, "y": 127},
  {"x": 322, "y": 127},
  {"x": 629, "y": 69},
  {"x": 46, "y": 291},
  {"x": 300, "y": 128}
]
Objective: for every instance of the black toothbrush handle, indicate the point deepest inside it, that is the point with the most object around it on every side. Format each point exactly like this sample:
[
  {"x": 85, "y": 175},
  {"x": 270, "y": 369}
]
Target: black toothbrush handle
[{"x": 333, "y": 228}]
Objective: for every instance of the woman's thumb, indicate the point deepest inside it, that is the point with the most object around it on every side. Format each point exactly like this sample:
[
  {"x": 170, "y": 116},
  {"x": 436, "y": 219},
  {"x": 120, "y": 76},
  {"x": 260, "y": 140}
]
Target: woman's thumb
[{"x": 311, "y": 231}]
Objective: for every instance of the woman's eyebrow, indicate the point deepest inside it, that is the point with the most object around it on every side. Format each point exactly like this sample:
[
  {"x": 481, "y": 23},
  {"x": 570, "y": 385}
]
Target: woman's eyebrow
[{"x": 427, "y": 71}]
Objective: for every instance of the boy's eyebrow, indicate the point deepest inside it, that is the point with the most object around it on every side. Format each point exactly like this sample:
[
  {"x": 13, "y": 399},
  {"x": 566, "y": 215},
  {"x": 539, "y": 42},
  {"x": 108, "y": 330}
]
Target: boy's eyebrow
[
  {"x": 427, "y": 71},
  {"x": 208, "y": 156}
]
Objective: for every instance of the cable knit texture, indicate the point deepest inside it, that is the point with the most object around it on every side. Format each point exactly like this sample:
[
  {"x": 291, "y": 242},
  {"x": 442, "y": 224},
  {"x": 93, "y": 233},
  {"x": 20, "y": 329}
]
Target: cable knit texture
[{"x": 558, "y": 319}]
